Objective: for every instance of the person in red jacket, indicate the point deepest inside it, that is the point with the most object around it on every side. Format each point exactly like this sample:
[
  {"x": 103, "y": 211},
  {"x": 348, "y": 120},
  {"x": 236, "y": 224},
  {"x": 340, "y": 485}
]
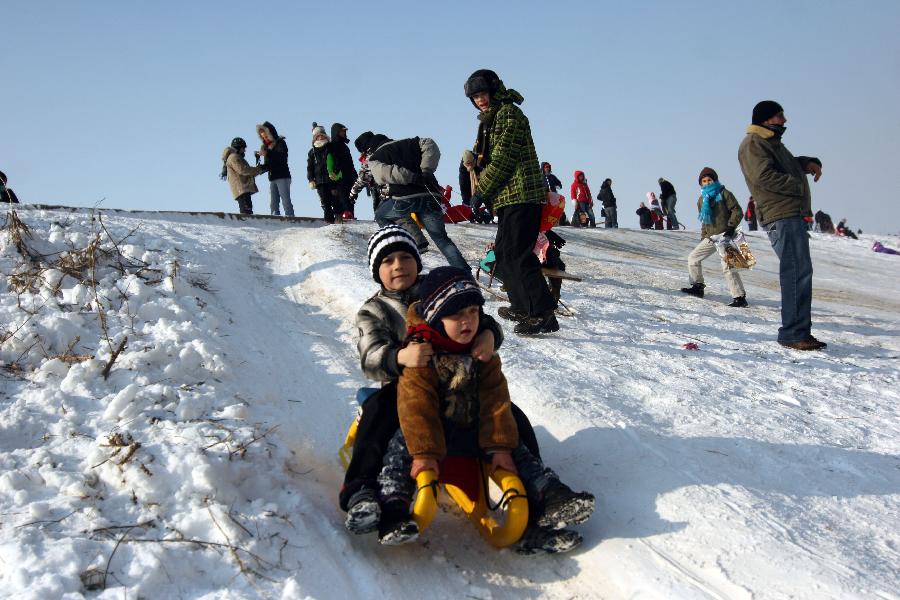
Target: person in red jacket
[
  {"x": 581, "y": 196},
  {"x": 750, "y": 215}
]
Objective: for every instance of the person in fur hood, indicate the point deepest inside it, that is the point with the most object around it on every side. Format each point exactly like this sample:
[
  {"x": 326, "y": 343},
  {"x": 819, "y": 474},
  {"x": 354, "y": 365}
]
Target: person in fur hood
[
  {"x": 240, "y": 174},
  {"x": 274, "y": 151}
]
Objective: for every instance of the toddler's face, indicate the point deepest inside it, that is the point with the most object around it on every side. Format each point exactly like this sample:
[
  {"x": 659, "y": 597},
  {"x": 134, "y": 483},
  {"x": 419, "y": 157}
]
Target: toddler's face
[{"x": 462, "y": 326}]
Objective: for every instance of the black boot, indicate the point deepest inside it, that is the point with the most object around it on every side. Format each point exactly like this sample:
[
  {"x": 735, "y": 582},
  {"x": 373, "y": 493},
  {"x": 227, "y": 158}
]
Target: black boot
[
  {"x": 739, "y": 302},
  {"x": 511, "y": 314},
  {"x": 363, "y": 512},
  {"x": 543, "y": 540},
  {"x": 695, "y": 290},
  {"x": 545, "y": 323},
  {"x": 563, "y": 507},
  {"x": 396, "y": 526}
]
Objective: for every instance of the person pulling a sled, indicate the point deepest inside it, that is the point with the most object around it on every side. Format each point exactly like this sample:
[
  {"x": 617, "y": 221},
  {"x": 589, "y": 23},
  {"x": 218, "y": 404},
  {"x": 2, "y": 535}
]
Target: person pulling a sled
[
  {"x": 404, "y": 169},
  {"x": 366, "y": 143}
]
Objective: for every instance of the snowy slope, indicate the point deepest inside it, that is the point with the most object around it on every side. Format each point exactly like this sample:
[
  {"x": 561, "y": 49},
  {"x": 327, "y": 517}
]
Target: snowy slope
[{"x": 205, "y": 465}]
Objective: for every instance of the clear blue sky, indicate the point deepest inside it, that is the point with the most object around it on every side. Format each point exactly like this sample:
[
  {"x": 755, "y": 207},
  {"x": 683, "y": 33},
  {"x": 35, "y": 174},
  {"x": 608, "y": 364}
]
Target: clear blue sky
[{"x": 134, "y": 102}]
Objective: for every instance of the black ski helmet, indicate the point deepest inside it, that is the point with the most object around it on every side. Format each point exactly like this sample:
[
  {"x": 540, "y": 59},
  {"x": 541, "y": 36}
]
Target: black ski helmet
[
  {"x": 482, "y": 80},
  {"x": 238, "y": 143}
]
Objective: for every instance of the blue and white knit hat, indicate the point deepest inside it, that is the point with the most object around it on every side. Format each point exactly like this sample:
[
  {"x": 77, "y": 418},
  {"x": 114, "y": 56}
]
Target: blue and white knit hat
[
  {"x": 445, "y": 291},
  {"x": 390, "y": 238}
]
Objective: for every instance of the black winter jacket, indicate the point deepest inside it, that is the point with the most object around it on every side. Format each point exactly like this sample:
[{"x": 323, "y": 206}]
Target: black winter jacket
[
  {"x": 553, "y": 182},
  {"x": 666, "y": 189},
  {"x": 343, "y": 160},
  {"x": 277, "y": 155},
  {"x": 606, "y": 196},
  {"x": 7, "y": 195},
  {"x": 317, "y": 166},
  {"x": 643, "y": 214}
]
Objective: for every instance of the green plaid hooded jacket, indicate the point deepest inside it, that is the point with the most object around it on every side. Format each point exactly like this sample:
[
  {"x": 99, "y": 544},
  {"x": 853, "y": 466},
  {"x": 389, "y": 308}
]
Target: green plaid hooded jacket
[{"x": 511, "y": 173}]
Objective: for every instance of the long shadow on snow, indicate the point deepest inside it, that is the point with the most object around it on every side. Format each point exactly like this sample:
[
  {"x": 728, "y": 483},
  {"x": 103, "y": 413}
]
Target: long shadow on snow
[{"x": 632, "y": 468}]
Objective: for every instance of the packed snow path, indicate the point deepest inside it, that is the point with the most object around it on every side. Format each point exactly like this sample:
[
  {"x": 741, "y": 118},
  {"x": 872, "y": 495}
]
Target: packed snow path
[{"x": 741, "y": 470}]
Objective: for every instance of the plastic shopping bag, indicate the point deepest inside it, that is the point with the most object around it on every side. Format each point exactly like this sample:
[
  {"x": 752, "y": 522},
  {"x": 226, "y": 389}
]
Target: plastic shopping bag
[{"x": 735, "y": 251}]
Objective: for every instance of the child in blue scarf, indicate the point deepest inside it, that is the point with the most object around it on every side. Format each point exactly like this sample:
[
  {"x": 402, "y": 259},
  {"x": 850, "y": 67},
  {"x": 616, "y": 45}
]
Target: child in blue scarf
[{"x": 720, "y": 214}]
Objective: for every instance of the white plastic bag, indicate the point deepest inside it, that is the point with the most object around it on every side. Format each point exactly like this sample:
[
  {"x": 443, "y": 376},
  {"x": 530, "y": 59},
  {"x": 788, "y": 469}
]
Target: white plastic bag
[{"x": 735, "y": 251}]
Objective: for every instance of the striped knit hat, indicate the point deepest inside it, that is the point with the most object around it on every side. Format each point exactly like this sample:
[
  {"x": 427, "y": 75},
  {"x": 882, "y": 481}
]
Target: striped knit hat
[
  {"x": 445, "y": 291},
  {"x": 390, "y": 238}
]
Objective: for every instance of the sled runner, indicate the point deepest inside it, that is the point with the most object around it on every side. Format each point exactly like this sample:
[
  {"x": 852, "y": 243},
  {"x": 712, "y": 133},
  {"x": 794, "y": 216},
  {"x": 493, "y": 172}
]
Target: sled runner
[
  {"x": 486, "y": 265},
  {"x": 466, "y": 481}
]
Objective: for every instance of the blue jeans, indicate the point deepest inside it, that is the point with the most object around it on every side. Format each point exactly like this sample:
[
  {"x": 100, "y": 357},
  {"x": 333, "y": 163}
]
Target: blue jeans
[
  {"x": 790, "y": 241},
  {"x": 612, "y": 219},
  {"x": 670, "y": 212},
  {"x": 280, "y": 189},
  {"x": 392, "y": 210}
]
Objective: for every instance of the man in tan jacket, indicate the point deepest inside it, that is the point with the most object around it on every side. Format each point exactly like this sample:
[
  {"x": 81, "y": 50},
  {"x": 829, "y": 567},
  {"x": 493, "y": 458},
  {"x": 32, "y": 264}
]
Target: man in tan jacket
[
  {"x": 777, "y": 181},
  {"x": 240, "y": 174}
]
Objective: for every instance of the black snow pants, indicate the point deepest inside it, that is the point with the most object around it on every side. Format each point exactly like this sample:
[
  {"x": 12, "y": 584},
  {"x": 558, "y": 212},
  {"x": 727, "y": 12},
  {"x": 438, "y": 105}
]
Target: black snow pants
[{"x": 378, "y": 424}]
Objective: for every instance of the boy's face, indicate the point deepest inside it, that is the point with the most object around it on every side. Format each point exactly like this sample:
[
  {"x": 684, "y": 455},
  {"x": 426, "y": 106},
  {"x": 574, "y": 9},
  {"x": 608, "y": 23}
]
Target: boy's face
[
  {"x": 706, "y": 181},
  {"x": 462, "y": 326},
  {"x": 398, "y": 271},
  {"x": 482, "y": 100}
]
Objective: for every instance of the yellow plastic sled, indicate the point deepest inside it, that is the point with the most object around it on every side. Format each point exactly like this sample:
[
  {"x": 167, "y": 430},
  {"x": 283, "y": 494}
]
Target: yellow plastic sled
[{"x": 465, "y": 481}]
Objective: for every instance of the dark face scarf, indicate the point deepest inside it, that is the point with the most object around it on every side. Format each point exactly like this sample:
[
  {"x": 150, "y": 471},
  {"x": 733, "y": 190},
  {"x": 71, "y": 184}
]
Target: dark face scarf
[{"x": 482, "y": 144}]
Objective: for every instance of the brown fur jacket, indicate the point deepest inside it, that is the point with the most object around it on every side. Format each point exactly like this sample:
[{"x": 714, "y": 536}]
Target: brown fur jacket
[{"x": 454, "y": 388}]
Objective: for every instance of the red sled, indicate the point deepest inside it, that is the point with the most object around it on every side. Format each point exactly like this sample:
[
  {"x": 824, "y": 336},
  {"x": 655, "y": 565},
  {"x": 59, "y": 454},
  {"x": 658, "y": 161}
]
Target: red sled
[{"x": 454, "y": 214}]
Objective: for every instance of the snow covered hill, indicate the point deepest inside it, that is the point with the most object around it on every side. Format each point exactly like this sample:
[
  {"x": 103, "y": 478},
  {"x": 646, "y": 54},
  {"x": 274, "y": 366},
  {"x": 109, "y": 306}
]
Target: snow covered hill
[{"x": 197, "y": 457}]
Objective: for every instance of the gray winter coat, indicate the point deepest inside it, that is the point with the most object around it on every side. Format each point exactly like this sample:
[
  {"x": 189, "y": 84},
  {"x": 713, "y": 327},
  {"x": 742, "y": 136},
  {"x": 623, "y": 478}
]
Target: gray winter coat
[{"x": 381, "y": 322}]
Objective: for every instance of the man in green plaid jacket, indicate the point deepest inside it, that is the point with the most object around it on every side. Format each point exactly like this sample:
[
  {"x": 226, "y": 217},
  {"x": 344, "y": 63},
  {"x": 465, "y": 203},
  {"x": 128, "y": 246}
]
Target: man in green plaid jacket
[{"x": 510, "y": 180}]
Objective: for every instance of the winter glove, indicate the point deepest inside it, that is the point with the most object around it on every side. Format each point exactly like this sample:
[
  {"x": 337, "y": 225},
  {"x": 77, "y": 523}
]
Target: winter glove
[
  {"x": 476, "y": 202},
  {"x": 312, "y": 185},
  {"x": 263, "y": 168},
  {"x": 729, "y": 232}
]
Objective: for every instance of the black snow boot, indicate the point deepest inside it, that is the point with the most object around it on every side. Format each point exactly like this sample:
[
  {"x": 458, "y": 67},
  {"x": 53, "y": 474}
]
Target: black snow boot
[
  {"x": 563, "y": 507},
  {"x": 545, "y": 323},
  {"x": 396, "y": 526},
  {"x": 739, "y": 302},
  {"x": 511, "y": 314},
  {"x": 694, "y": 290},
  {"x": 543, "y": 540},
  {"x": 363, "y": 512}
]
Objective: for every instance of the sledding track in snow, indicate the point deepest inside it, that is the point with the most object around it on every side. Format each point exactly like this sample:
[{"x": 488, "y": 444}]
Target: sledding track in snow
[{"x": 739, "y": 470}]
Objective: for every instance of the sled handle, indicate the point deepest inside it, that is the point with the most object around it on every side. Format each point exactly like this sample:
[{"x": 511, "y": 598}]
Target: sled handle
[{"x": 426, "y": 505}]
